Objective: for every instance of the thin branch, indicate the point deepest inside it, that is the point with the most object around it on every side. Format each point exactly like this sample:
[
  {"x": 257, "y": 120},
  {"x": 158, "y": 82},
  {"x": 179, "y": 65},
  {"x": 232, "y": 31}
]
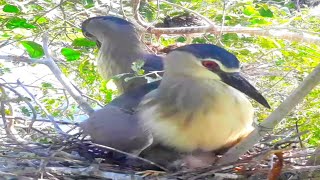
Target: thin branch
[
  {"x": 58, "y": 74},
  {"x": 64, "y": 80},
  {"x": 275, "y": 117},
  {"x": 94, "y": 100},
  {"x": 61, "y": 2},
  {"x": 274, "y": 32},
  {"x": 208, "y": 21},
  {"x": 130, "y": 155},
  {"x": 299, "y": 137},
  {"x": 34, "y": 113},
  {"x": 23, "y": 59},
  {"x": 223, "y": 20},
  {"x": 56, "y": 126}
]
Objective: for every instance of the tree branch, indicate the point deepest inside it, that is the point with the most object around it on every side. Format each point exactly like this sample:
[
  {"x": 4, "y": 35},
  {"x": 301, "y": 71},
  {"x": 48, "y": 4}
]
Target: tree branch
[
  {"x": 275, "y": 32},
  {"x": 48, "y": 61},
  {"x": 275, "y": 117},
  {"x": 50, "y": 117},
  {"x": 22, "y": 59},
  {"x": 64, "y": 80}
]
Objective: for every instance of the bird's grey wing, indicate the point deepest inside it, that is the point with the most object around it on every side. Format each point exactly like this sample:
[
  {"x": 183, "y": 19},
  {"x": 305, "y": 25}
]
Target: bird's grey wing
[
  {"x": 130, "y": 100},
  {"x": 117, "y": 125},
  {"x": 152, "y": 63},
  {"x": 110, "y": 126}
]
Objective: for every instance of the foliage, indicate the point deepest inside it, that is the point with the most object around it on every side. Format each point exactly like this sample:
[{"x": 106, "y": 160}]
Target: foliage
[{"x": 276, "y": 66}]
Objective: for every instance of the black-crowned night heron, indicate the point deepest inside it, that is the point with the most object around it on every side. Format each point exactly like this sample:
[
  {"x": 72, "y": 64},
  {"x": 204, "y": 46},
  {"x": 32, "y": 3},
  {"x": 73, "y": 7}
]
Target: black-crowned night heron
[
  {"x": 200, "y": 104},
  {"x": 119, "y": 47},
  {"x": 115, "y": 125}
]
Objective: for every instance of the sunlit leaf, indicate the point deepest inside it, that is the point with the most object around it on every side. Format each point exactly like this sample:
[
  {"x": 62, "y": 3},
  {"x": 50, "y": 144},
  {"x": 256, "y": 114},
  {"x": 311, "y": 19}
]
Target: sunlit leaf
[
  {"x": 70, "y": 54},
  {"x": 36, "y": 7},
  {"x": 181, "y": 39},
  {"x": 83, "y": 42},
  {"x": 167, "y": 41},
  {"x": 249, "y": 10},
  {"x": 137, "y": 67},
  {"x": 16, "y": 22},
  {"x": 46, "y": 85},
  {"x": 199, "y": 40},
  {"x": 265, "y": 12},
  {"x": 10, "y": 8},
  {"x": 34, "y": 49},
  {"x": 88, "y": 3},
  {"x": 259, "y": 21},
  {"x": 41, "y": 19}
]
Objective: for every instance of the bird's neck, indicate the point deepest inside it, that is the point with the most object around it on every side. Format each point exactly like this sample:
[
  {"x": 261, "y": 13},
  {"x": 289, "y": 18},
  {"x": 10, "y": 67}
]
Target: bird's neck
[
  {"x": 189, "y": 93},
  {"x": 117, "y": 58}
]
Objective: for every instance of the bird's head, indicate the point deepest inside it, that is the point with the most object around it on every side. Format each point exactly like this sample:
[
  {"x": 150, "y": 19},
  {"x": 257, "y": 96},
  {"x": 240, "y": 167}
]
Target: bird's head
[
  {"x": 210, "y": 62},
  {"x": 97, "y": 28}
]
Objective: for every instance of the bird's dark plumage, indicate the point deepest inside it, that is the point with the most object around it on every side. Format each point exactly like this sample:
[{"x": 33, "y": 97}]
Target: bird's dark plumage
[
  {"x": 131, "y": 99},
  {"x": 203, "y": 51},
  {"x": 116, "y": 124},
  {"x": 152, "y": 63},
  {"x": 119, "y": 45}
]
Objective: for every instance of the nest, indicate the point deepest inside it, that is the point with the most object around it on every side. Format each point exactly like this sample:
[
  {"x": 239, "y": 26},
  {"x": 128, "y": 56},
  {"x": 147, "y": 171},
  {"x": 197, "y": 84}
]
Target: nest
[{"x": 64, "y": 156}]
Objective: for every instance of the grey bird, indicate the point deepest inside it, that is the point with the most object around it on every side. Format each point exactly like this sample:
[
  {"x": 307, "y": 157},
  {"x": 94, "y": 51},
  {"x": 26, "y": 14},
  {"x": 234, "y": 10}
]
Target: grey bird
[
  {"x": 116, "y": 125},
  {"x": 119, "y": 46}
]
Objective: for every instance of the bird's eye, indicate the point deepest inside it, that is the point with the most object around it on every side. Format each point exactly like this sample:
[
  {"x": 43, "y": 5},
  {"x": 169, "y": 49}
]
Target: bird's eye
[{"x": 210, "y": 65}]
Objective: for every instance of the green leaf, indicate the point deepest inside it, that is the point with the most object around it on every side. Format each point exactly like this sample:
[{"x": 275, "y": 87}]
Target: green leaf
[
  {"x": 16, "y": 22},
  {"x": 36, "y": 7},
  {"x": 181, "y": 39},
  {"x": 41, "y": 19},
  {"x": 258, "y": 21},
  {"x": 230, "y": 37},
  {"x": 70, "y": 54},
  {"x": 83, "y": 42},
  {"x": 34, "y": 49},
  {"x": 25, "y": 111},
  {"x": 249, "y": 10},
  {"x": 267, "y": 43},
  {"x": 46, "y": 85},
  {"x": 10, "y": 8},
  {"x": 199, "y": 40},
  {"x": 88, "y": 3},
  {"x": 280, "y": 62},
  {"x": 137, "y": 67},
  {"x": 167, "y": 41},
  {"x": 265, "y": 12}
]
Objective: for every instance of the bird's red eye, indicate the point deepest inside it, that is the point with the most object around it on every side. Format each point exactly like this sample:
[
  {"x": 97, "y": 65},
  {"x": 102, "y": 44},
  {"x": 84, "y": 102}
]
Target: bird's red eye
[{"x": 210, "y": 65}]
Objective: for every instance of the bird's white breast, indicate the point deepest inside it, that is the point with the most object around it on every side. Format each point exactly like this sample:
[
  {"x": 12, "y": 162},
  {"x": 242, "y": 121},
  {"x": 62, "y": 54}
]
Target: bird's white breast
[{"x": 218, "y": 116}]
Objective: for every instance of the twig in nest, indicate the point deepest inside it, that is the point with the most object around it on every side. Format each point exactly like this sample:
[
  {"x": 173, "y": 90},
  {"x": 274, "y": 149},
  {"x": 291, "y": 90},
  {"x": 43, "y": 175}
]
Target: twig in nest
[
  {"x": 56, "y": 126},
  {"x": 34, "y": 113},
  {"x": 131, "y": 156}
]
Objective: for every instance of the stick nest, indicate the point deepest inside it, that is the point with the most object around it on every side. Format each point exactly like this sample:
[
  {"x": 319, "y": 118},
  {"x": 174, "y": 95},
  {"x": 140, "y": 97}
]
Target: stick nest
[{"x": 28, "y": 153}]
